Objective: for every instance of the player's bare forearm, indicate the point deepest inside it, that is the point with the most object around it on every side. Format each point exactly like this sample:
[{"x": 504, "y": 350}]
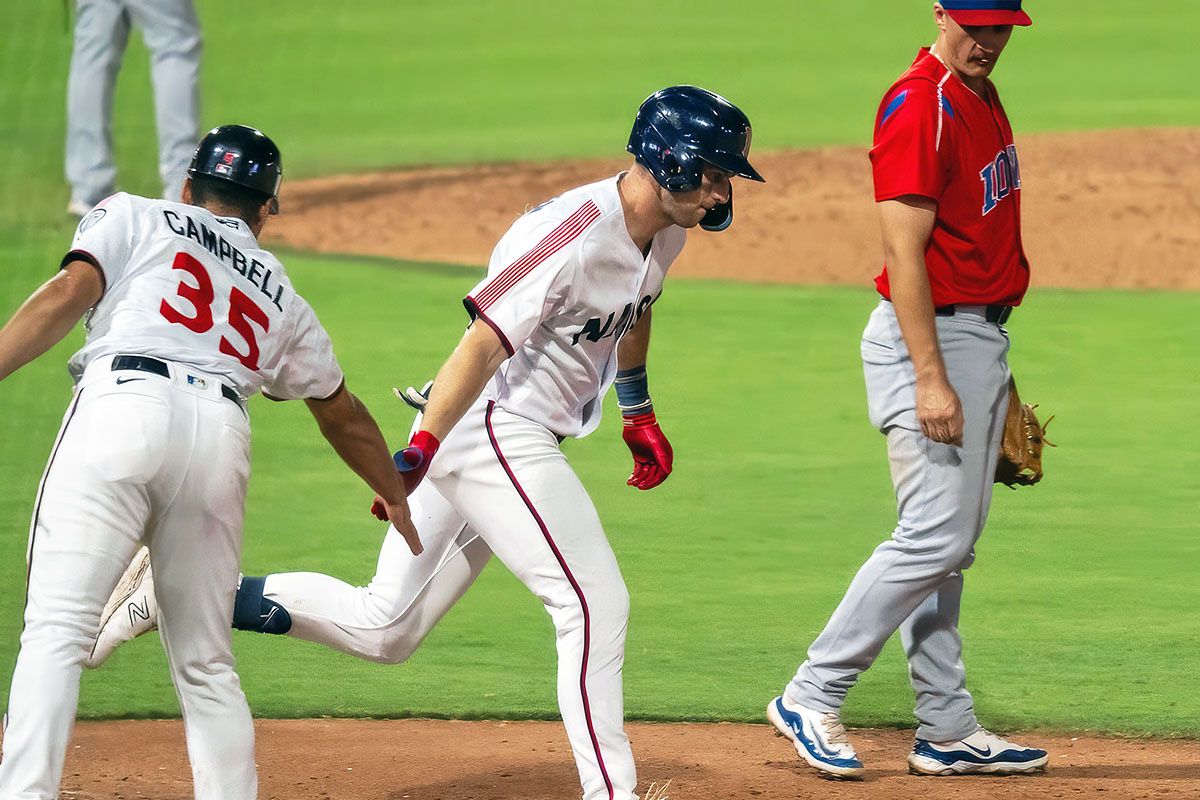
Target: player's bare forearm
[
  {"x": 48, "y": 315},
  {"x": 353, "y": 433},
  {"x": 634, "y": 348},
  {"x": 907, "y": 224},
  {"x": 461, "y": 379}
]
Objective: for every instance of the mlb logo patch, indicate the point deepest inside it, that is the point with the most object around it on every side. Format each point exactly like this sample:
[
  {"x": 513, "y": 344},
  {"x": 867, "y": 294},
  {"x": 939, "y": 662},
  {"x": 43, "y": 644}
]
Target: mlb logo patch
[{"x": 199, "y": 383}]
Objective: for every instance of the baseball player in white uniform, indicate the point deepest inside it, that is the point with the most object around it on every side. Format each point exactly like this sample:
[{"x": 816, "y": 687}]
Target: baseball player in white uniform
[
  {"x": 186, "y": 317},
  {"x": 563, "y": 313}
]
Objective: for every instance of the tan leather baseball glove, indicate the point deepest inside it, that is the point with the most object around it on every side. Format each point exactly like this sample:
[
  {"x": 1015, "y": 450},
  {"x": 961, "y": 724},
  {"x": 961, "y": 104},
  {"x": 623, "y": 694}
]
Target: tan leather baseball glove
[{"x": 1020, "y": 462}]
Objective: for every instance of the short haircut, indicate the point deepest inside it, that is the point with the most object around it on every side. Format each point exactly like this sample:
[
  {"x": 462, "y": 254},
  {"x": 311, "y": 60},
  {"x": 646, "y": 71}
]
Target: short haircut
[{"x": 243, "y": 201}]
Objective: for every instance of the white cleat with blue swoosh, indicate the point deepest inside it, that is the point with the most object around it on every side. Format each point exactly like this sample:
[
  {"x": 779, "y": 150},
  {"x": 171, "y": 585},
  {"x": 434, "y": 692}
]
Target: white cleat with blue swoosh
[
  {"x": 819, "y": 737},
  {"x": 983, "y": 752}
]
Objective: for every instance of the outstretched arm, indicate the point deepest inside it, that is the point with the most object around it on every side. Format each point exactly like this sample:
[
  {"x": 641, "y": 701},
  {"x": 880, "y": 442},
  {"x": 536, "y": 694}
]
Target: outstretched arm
[
  {"x": 49, "y": 315},
  {"x": 349, "y": 427}
]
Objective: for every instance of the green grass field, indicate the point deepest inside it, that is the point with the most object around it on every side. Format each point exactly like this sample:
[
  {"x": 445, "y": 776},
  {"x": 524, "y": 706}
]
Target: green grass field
[{"x": 1079, "y": 613}]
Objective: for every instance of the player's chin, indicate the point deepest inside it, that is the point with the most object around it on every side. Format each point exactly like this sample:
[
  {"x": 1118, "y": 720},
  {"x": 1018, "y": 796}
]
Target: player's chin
[{"x": 690, "y": 219}]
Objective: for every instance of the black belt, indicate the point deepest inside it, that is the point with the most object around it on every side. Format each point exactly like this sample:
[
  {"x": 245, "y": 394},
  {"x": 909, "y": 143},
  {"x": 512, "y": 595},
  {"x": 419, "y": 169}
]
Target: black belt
[
  {"x": 995, "y": 314},
  {"x": 156, "y": 367}
]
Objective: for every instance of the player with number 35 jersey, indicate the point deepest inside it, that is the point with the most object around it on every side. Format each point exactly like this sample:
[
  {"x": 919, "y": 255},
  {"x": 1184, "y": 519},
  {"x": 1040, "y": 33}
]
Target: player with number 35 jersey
[
  {"x": 185, "y": 284},
  {"x": 186, "y": 317}
]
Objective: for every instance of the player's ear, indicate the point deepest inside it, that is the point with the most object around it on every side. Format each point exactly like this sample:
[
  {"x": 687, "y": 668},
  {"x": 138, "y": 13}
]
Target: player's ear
[
  {"x": 939, "y": 16},
  {"x": 186, "y": 196}
]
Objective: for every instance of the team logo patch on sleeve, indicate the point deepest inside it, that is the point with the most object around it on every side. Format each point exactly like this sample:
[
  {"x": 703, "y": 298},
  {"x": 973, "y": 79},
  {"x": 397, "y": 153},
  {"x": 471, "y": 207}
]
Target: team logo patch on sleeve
[
  {"x": 893, "y": 107},
  {"x": 91, "y": 219}
]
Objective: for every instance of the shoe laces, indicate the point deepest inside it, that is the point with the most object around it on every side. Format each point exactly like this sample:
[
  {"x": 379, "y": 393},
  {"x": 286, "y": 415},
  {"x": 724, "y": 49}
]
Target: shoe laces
[
  {"x": 835, "y": 731},
  {"x": 999, "y": 740}
]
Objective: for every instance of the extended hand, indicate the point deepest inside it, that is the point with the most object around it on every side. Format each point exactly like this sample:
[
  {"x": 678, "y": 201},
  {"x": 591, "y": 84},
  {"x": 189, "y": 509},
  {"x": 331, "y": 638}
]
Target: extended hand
[
  {"x": 940, "y": 412},
  {"x": 652, "y": 453},
  {"x": 397, "y": 514}
]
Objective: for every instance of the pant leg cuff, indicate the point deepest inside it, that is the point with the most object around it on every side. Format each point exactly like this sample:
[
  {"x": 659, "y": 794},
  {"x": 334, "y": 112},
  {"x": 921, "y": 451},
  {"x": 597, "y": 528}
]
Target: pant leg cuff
[
  {"x": 948, "y": 732},
  {"x": 817, "y": 701}
]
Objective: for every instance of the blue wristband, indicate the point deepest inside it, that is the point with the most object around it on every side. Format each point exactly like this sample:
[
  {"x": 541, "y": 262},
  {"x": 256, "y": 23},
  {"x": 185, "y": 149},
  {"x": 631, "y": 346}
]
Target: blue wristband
[{"x": 633, "y": 393}]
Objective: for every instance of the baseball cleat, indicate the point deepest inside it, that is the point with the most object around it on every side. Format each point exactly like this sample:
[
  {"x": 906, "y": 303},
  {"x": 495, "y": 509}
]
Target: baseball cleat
[
  {"x": 819, "y": 738},
  {"x": 131, "y": 611},
  {"x": 981, "y": 753}
]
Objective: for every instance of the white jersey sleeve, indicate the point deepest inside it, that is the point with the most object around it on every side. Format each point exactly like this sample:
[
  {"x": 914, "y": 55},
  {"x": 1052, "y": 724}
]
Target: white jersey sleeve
[
  {"x": 526, "y": 279},
  {"x": 105, "y": 237},
  {"x": 306, "y": 368}
]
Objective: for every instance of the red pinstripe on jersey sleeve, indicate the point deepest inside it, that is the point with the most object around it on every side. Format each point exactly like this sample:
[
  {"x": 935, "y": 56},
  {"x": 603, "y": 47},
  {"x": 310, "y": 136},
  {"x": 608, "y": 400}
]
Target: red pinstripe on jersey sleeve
[{"x": 566, "y": 231}]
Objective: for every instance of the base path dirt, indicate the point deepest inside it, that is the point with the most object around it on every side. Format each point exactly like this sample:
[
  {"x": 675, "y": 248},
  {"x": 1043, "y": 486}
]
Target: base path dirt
[
  {"x": 329, "y": 759},
  {"x": 1100, "y": 209}
]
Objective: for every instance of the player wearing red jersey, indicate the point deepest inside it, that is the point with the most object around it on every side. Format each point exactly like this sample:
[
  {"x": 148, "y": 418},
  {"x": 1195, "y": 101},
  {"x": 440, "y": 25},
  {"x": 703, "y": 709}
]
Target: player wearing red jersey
[{"x": 947, "y": 185}]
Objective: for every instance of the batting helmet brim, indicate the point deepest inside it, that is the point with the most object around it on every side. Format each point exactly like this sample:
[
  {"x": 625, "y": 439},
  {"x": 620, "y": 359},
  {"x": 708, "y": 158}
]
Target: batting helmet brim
[{"x": 736, "y": 163}]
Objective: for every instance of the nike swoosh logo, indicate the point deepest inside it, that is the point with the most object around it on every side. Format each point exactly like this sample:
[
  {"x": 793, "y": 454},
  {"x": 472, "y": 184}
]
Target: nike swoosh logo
[
  {"x": 127, "y": 380},
  {"x": 973, "y": 749}
]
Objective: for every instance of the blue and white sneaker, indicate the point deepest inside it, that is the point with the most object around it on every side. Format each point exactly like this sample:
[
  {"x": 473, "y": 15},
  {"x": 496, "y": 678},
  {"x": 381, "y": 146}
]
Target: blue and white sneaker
[
  {"x": 983, "y": 752},
  {"x": 819, "y": 737}
]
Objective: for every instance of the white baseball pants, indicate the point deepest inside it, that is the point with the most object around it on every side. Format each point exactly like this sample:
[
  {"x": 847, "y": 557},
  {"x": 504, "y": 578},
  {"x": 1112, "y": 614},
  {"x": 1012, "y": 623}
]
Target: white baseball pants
[
  {"x": 139, "y": 459},
  {"x": 499, "y": 484},
  {"x": 913, "y": 581},
  {"x": 172, "y": 35}
]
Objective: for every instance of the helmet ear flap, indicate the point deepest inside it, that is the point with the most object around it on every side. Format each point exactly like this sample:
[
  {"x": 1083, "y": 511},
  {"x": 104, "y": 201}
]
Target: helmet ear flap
[
  {"x": 682, "y": 169},
  {"x": 720, "y": 217}
]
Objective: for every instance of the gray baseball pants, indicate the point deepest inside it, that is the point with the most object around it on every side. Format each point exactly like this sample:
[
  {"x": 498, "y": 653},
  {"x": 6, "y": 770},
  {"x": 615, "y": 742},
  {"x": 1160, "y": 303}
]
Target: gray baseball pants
[
  {"x": 172, "y": 34},
  {"x": 913, "y": 581}
]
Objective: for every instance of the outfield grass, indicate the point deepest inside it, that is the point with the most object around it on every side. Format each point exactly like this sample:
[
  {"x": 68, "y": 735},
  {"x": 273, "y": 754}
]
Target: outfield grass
[
  {"x": 371, "y": 83},
  {"x": 1080, "y": 610},
  {"x": 1077, "y": 614}
]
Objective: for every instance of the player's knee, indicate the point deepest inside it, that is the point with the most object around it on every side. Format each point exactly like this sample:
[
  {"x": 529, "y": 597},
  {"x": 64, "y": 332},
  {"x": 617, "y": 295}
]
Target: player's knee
[
  {"x": 395, "y": 649},
  {"x": 600, "y": 609},
  {"x": 68, "y": 639},
  {"x": 208, "y": 678}
]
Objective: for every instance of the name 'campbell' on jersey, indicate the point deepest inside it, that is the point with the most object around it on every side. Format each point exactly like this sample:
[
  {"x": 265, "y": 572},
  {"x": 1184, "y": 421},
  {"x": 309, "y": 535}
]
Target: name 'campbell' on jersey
[
  {"x": 185, "y": 285},
  {"x": 563, "y": 285}
]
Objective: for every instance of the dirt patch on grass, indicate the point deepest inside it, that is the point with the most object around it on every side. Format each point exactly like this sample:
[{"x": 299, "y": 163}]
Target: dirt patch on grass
[
  {"x": 1101, "y": 209},
  {"x": 440, "y": 760}
]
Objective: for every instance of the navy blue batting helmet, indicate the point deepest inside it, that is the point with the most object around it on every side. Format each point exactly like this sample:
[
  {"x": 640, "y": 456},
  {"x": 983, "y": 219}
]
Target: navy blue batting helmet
[
  {"x": 680, "y": 129},
  {"x": 242, "y": 155}
]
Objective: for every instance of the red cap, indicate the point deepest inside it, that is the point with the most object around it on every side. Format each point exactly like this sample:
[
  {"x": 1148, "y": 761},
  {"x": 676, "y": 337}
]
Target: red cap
[{"x": 986, "y": 12}]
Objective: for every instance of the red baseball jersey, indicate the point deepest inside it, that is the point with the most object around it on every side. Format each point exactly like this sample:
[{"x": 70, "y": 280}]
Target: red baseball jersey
[{"x": 936, "y": 138}]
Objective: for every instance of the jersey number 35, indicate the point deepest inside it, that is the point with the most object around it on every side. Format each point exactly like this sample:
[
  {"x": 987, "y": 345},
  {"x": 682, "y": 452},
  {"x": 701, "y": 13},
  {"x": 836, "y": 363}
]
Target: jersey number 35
[{"x": 242, "y": 311}]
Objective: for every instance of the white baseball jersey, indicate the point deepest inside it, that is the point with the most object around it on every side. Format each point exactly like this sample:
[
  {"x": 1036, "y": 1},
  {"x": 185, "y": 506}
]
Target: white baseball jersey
[
  {"x": 185, "y": 285},
  {"x": 563, "y": 285}
]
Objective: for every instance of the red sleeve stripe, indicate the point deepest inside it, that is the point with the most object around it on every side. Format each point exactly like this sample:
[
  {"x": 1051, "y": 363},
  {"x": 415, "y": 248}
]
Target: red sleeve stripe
[{"x": 551, "y": 243}]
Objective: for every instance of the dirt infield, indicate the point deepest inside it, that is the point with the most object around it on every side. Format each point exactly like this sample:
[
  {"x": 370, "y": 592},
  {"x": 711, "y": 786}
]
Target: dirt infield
[
  {"x": 438, "y": 760},
  {"x": 1100, "y": 209}
]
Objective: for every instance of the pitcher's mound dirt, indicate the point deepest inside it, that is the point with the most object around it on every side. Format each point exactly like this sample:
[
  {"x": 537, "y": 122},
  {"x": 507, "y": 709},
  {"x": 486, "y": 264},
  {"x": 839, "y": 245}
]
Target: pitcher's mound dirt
[
  {"x": 1100, "y": 209},
  {"x": 438, "y": 760}
]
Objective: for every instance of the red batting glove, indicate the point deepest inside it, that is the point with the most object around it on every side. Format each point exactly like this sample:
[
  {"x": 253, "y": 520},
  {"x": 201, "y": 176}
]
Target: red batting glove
[
  {"x": 652, "y": 453},
  {"x": 412, "y": 462}
]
